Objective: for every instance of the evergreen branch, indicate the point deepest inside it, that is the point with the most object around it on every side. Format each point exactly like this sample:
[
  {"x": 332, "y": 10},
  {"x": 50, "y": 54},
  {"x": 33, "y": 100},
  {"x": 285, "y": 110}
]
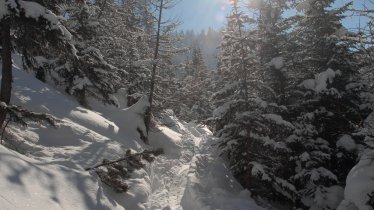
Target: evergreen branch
[
  {"x": 19, "y": 115},
  {"x": 147, "y": 155}
]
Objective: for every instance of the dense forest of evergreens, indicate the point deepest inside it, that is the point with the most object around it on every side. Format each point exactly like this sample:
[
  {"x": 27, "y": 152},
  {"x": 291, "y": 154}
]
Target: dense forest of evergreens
[{"x": 288, "y": 90}]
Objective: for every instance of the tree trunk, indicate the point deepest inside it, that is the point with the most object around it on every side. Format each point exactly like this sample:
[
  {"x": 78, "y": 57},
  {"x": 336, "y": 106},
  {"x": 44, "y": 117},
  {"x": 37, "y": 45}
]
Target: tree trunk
[
  {"x": 242, "y": 54},
  {"x": 6, "y": 80},
  {"x": 154, "y": 67}
]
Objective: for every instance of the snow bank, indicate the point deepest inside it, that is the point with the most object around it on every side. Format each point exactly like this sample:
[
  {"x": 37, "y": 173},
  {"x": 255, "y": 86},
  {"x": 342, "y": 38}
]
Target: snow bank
[
  {"x": 30, "y": 184},
  {"x": 83, "y": 138},
  {"x": 40, "y": 97},
  {"x": 167, "y": 139},
  {"x": 169, "y": 119}
]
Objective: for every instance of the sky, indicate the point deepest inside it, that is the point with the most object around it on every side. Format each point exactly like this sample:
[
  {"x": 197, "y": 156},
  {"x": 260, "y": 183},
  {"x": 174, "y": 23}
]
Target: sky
[{"x": 202, "y": 14}]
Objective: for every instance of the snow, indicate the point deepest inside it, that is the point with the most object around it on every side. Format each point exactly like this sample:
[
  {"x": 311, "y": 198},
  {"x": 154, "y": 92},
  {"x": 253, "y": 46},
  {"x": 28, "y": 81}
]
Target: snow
[
  {"x": 3, "y": 105},
  {"x": 3, "y": 9},
  {"x": 342, "y": 32},
  {"x": 256, "y": 4},
  {"x": 319, "y": 84},
  {"x": 304, "y": 5},
  {"x": 261, "y": 102},
  {"x": 83, "y": 138},
  {"x": 194, "y": 177},
  {"x": 346, "y": 142},
  {"x": 168, "y": 139},
  {"x": 359, "y": 184},
  {"x": 277, "y": 62},
  {"x": 278, "y": 120},
  {"x": 267, "y": 141},
  {"x": 50, "y": 171},
  {"x": 328, "y": 198},
  {"x": 35, "y": 11},
  {"x": 81, "y": 83},
  {"x": 30, "y": 184},
  {"x": 258, "y": 170},
  {"x": 210, "y": 185},
  {"x": 305, "y": 157},
  {"x": 316, "y": 174},
  {"x": 221, "y": 110}
]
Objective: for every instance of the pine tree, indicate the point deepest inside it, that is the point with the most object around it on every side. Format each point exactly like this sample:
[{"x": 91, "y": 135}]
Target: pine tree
[
  {"x": 196, "y": 89},
  {"x": 272, "y": 43},
  {"x": 31, "y": 23},
  {"x": 116, "y": 49},
  {"x": 326, "y": 105},
  {"x": 247, "y": 119}
]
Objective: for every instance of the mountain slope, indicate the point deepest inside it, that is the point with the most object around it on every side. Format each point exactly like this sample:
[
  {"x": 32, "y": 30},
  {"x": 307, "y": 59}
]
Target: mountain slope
[{"x": 50, "y": 171}]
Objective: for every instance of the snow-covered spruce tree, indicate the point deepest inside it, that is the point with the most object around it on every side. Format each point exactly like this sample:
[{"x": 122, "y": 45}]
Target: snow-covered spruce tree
[
  {"x": 126, "y": 43},
  {"x": 114, "y": 50},
  {"x": 87, "y": 73},
  {"x": 326, "y": 106},
  {"x": 196, "y": 89},
  {"x": 30, "y": 23},
  {"x": 68, "y": 67},
  {"x": 200, "y": 87},
  {"x": 248, "y": 122},
  {"x": 272, "y": 43},
  {"x": 109, "y": 44}
]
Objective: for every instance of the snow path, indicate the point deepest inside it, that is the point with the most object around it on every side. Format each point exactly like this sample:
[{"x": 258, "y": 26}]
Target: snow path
[
  {"x": 197, "y": 179},
  {"x": 169, "y": 177}
]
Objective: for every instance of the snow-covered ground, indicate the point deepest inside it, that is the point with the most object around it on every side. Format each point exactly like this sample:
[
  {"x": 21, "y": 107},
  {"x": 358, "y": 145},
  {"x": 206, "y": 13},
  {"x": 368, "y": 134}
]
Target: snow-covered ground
[
  {"x": 48, "y": 173},
  {"x": 195, "y": 178}
]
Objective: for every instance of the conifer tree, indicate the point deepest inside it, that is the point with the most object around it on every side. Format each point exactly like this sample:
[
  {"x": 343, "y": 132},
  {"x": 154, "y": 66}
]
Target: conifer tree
[
  {"x": 272, "y": 44},
  {"x": 196, "y": 89},
  {"x": 248, "y": 121},
  {"x": 163, "y": 43},
  {"x": 31, "y": 23},
  {"x": 327, "y": 106}
]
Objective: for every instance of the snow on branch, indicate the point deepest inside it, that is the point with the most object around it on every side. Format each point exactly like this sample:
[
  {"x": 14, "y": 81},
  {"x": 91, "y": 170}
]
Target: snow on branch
[
  {"x": 321, "y": 80},
  {"x": 21, "y": 116},
  {"x": 114, "y": 173},
  {"x": 35, "y": 11}
]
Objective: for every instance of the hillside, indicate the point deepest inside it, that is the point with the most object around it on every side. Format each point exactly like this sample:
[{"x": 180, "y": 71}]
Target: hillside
[{"x": 49, "y": 171}]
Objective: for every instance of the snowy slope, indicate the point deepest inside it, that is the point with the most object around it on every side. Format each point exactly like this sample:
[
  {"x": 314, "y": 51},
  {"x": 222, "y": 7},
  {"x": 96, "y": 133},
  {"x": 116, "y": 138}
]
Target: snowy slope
[
  {"x": 83, "y": 138},
  {"x": 50, "y": 171},
  {"x": 30, "y": 184}
]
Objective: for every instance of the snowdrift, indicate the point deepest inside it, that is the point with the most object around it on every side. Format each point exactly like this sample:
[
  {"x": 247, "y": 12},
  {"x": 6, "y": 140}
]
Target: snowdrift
[{"x": 30, "y": 184}]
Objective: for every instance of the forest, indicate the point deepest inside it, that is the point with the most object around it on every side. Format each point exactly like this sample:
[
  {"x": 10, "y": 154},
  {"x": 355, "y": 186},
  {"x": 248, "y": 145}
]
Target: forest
[{"x": 108, "y": 104}]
